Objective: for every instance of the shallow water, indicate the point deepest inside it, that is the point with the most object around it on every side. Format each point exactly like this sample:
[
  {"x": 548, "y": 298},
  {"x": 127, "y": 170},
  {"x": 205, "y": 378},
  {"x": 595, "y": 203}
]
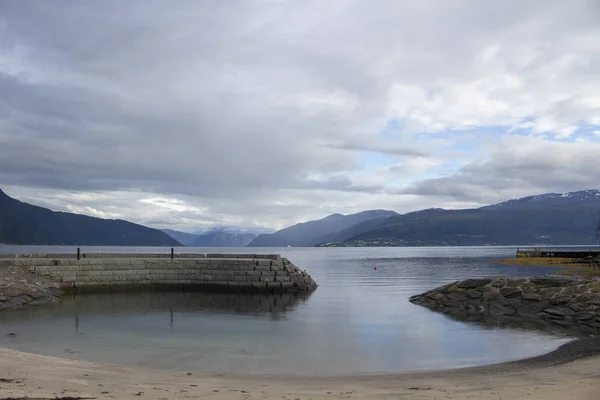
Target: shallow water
[{"x": 359, "y": 320}]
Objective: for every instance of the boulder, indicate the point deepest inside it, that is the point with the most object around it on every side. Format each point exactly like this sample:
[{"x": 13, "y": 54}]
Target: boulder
[
  {"x": 531, "y": 296},
  {"x": 437, "y": 296},
  {"x": 529, "y": 287},
  {"x": 458, "y": 296},
  {"x": 587, "y": 296},
  {"x": 584, "y": 316},
  {"x": 494, "y": 296},
  {"x": 548, "y": 316},
  {"x": 563, "y": 323},
  {"x": 577, "y": 306},
  {"x": 473, "y": 283},
  {"x": 560, "y": 312},
  {"x": 515, "y": 303},
  {"x": 532, "y": 308},
  {"x": 559, "y": 299},
  {"x": 548, "y": 282},
  {"x": 499, "y": 309},
  {"x": 510, "y": 291},
  {"x": 474, "y": 294},
  {"x": 451, "y": 288},
  {"x": 548, "y": 293},
  {"x": 498, "y": 283},
  {"x": 592, "y": 324}
]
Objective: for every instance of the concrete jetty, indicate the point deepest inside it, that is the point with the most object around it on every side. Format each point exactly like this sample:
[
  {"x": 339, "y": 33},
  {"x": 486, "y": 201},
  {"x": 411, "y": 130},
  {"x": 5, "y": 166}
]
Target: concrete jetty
[{"x": 93, "y": 272}]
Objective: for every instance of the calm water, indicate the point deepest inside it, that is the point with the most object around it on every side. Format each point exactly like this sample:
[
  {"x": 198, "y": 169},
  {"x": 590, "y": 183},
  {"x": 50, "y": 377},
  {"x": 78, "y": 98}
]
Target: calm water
[{"x": 358, "y": 320}]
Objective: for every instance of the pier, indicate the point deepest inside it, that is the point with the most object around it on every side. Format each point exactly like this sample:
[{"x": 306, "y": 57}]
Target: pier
[
  {"x": 92, "y": 272},
  {"x": 557, "y": 253}
]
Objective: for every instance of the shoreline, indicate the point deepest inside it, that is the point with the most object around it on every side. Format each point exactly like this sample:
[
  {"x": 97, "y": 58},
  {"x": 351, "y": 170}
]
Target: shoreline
[
  {"x": 570, "y": 371},
  {"x": 570, "y": 268}
]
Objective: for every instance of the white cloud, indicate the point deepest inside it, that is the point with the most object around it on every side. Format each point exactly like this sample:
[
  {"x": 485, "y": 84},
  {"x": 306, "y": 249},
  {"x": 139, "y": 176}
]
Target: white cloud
[
  {"x": 565, "y": 132},
  {"x": 414, "y": 166},
  {"x": 517, "y": 166},
  {"x": 171, "y": 204}
]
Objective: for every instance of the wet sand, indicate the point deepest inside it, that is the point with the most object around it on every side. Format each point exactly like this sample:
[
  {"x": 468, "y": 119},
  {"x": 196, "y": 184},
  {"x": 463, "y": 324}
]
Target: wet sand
[{"x": 571, "y": 372}]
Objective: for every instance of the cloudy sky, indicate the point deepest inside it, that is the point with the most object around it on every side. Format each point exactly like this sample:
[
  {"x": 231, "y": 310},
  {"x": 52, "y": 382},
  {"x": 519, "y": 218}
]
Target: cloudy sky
[{"x": 264, "y": 113}]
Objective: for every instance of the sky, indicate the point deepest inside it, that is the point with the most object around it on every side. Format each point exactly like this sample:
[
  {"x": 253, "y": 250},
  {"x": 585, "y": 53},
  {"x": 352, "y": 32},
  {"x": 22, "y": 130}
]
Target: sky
[{"x": 261, "y": 114}]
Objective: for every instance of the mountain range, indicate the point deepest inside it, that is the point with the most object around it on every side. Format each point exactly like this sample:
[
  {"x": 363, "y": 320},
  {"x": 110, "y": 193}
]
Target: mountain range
[
  {"x": 323, "y": 230},
  {"x": 216, "y": 237},
  {"x": 22, "y": 223},
  {"x": 548, "y": 219}
]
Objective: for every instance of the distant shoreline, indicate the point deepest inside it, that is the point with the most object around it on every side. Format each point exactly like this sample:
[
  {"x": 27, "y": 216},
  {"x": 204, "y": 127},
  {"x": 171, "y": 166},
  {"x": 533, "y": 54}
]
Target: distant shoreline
[
  {"x": 391, "y": 243},
  {"x": 571, "y": 268}
]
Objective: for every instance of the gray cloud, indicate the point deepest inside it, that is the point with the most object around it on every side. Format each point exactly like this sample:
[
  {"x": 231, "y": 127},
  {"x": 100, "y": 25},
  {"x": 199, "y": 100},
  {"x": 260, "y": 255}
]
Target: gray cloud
[
  {"x": 380, "y": 148},
  {"x": 255, "y": 113},
  {"x": 343, "y": 183},
  {"x": 164, "y": 126}
]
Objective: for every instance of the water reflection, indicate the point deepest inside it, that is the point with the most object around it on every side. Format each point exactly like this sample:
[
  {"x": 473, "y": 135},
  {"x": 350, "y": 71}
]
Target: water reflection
[
  {"x": 510, "y": 322},
  {"x": 157, "y": 303}
]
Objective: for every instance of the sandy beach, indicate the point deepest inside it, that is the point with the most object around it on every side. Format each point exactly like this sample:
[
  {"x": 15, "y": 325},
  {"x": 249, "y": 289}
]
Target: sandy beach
[{"x": 571, "y": 372}]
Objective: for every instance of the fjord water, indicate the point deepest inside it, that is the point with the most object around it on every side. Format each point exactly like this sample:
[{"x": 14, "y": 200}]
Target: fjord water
[{"x": 359, "y": 320}]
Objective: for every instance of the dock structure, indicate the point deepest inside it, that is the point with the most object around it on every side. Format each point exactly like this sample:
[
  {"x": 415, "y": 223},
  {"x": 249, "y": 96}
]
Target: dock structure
[
  {"x": 86, "y": 272},
  {"x": 558, "y": 253}
]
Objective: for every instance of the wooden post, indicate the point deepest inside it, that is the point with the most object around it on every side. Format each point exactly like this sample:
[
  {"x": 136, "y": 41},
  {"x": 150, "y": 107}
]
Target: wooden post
[
  {"x": 78, "y": 253},
  {"x": 172, "y": 253}
]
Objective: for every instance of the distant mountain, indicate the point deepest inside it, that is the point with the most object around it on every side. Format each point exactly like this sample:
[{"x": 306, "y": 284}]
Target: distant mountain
[
  {"x": 215, "y": 237},
  {"x": 312, "y": 232},
  {"x": 548, "y": 219},
  {"x": 583, "y": 198},
  {"x": 354, "y": 230},
  {"x": 22, "y": 223},
  {"x": 184, "y": 238},
  {"x": 223, "y": 239},
  {"x": 233, "y": 229}
]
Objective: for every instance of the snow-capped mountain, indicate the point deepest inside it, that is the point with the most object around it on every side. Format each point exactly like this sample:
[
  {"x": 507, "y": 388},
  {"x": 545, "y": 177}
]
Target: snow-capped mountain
[{"x": 581, "y": 197}]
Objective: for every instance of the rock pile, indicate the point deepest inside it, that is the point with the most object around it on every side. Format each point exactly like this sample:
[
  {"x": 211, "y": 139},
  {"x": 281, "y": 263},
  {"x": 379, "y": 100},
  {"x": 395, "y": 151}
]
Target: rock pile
[
  {"x": 561, "y": 301},
  {"x": 301, "y": 279},
  {"x": 19, "y": 287}
]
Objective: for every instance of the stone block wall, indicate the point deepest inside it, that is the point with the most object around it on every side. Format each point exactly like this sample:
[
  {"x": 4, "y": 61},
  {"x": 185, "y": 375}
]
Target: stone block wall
[
  {"x": 73, "y": 255},
  {"x": 223, "y": 272}
]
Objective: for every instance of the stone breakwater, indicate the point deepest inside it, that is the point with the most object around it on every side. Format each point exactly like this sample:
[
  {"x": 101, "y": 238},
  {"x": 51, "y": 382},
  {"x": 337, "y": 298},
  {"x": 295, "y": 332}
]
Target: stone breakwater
[
  {"x": 30, "y": 275},
  {"x": 558, "y": 301}
]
